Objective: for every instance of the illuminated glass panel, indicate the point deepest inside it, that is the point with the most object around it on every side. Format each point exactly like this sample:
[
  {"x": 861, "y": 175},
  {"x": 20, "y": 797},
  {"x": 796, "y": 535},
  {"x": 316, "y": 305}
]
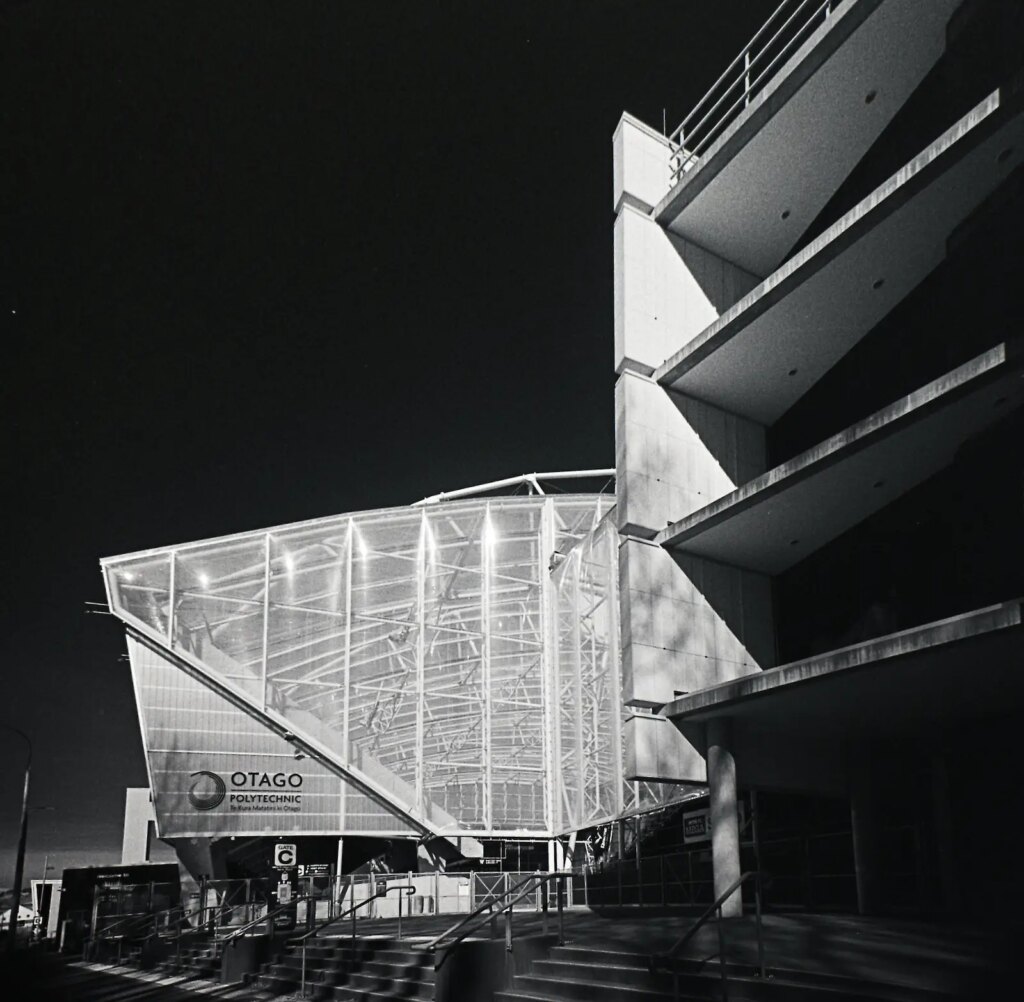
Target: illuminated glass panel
[{"x": 461, "y": 658}]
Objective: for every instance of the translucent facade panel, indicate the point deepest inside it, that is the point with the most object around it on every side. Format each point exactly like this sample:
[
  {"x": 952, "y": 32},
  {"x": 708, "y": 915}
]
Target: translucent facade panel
[
  {"x": 307, "y": 626},
  {"x": 458, "y": 659},
  {"x": 588, "y": 715},
  {"x": 216, "y": 770},
  {"x": 517, "y": 580},
  {"x": 218, "y": 609},
  {"x": 384, "y": 637},
  {"x": 140, "y": 589},
  {"x": 454, "y": 687}
]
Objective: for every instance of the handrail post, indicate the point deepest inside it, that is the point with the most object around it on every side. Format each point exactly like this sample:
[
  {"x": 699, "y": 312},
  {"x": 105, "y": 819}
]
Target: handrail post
[
  {"x": 760, "y": 938},
  {"x": 721, "y": 957},
  {"x": 302, "y": 988},
  {"x": 400, "y": 896},
  {"x": 508, "y": 929},
  {"x": 561, "y": 927},
  {"x": 544, "y": 907}
]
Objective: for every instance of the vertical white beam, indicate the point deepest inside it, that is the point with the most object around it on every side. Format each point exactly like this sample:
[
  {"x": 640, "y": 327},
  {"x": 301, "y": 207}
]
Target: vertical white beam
[
  {"x": 549, "y": 659},
  {"x": 421, "y": 608},
  {"x": 577, "y": 649},
  {"x": 614, "y": 666},
  {"x": 170, "y": 602},
  {"x": 346, "y": 751},
  {"x": 266, "y": 618},
  {"x": 487, "y": 539}
]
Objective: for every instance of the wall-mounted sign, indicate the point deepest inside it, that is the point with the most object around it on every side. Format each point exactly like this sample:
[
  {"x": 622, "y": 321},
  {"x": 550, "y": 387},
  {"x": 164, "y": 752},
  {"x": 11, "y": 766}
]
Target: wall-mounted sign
[
  {"x": 696, "y": 826},
  {"x": 285, "y": 854}
]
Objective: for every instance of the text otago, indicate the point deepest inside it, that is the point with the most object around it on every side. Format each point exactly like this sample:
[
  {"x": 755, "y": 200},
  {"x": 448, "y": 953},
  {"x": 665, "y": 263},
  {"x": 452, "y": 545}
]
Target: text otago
[
  {"x": 261, "y": 780},
  {"x": 250, "y": 791}
]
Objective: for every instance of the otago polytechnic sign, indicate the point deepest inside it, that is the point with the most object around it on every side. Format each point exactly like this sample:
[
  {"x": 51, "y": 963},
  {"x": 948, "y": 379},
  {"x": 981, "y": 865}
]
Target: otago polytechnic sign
[{"x": 246, "y": 791}]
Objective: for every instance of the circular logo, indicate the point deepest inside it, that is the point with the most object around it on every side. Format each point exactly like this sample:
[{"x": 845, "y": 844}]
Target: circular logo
[{"x": 207, "y": 791}]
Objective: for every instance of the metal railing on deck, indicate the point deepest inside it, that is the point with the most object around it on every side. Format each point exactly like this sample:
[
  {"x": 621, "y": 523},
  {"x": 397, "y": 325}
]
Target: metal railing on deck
[
  {"x": 317, "y": 929},
  {"x": 670, "y": 958},
  {"x": 789, "y": 25},
  {"x": 504, "y": 904}
]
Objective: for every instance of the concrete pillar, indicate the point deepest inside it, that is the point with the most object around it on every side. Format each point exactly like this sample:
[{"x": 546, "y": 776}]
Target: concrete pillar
[
  {"x": 725, "y": 829},
  {"x": 864, "y": 826}
]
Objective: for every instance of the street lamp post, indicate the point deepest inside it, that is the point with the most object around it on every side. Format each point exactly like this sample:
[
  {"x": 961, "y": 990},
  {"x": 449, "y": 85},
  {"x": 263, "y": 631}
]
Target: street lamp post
[{"x": 19, "y": 864}]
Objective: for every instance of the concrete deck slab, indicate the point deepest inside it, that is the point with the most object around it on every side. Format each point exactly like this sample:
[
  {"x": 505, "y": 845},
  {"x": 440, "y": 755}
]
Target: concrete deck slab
[
  {"x": 802, "y": 135},
  {"x": 954, "y": 669},
  {"x": 777, "y": 519},
  {"x": 766, "y": 351}
]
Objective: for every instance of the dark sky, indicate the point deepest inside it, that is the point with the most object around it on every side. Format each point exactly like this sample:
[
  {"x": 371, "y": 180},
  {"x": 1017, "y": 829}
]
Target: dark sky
[{"x": 267, "y": 262}]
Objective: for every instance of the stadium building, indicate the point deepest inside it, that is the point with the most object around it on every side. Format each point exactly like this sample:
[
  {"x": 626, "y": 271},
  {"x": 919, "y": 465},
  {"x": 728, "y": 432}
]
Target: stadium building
[
  {"x": 804, "y": 596},
  {"x": 436, "y": 674}
]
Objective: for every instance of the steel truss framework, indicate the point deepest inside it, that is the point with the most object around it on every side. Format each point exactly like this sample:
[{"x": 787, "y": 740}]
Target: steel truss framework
[{"x": 461, "y": 658}]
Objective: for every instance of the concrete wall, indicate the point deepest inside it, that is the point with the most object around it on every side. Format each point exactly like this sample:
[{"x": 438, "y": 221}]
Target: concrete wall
[
  {"x": 688, "y": 623},
  {"x": 138, "y": 817},
  {"x": 674, "y": 454},
  {"x": 657, "y": 751},
  {"x": 685, "y": 625},
  {"x": 641, "y": 167},
  {"x": 667, "y": 290}
]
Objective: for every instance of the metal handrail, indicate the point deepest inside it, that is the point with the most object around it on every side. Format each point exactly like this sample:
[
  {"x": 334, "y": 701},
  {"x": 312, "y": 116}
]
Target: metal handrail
[
  {"x": 684, "y": 157},
  {"x": 669, "y": 958},
  {"x": 510, "y": 899},
  {"x": 410, "y": 889},
  {"x": 104, "y": 935},
  {"x": 316, "y": 930},
  {"x": 263, "y": 919}
]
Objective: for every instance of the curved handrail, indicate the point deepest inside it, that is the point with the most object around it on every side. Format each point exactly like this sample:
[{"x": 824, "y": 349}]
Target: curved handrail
[
  {"x": 536, "y": 879},
  {"x": 410, "y": 889}
]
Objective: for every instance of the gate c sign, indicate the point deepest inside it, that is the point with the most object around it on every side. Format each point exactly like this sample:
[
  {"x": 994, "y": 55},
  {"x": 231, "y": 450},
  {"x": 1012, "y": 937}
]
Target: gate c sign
[{"x": 284, "y": 855}]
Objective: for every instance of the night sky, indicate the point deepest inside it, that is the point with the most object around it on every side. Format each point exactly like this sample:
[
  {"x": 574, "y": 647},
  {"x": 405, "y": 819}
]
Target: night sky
[{"x": 268, "y": 262}]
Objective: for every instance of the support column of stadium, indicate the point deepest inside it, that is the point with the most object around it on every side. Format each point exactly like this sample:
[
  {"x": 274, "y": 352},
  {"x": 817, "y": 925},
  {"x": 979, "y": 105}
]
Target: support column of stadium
[
  {"x": 421, "y": 603},
  {"x": 864, "y": 828},
  {"x": 485, "y": 625},
  {"x": 725, "y": 830},
  {"x": 266, "y": 618},
  {"x": 549, "y": 631}
]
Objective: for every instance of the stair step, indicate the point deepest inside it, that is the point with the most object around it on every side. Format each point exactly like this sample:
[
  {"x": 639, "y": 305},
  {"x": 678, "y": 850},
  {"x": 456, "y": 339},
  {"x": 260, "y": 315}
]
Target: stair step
[
  {"x": 342, "y": 993},
  {"x": 586, "y": 991},
  {"x": 596, "y": 955},
  {"x": 611, "y": 974},
  {"x": 335, "y": 968}
]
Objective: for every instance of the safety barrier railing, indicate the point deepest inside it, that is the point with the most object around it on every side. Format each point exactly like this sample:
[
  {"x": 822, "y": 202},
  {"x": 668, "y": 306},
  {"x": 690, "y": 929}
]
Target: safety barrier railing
[
  {"x": 317, "y": 929},
  {"x": 786, "y": 29},
  {"x": 267, "y": 920},
  {"x": 670, "y": 959},
  {"x": 504, "y": 904}
]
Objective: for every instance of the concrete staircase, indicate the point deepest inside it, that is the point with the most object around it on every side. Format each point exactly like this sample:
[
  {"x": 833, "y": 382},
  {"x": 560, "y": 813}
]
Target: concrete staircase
[
  {"x": 197, "y": 960},
  {"x": 591, "y": 974},
  {"x": 370, "y": 970}
]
